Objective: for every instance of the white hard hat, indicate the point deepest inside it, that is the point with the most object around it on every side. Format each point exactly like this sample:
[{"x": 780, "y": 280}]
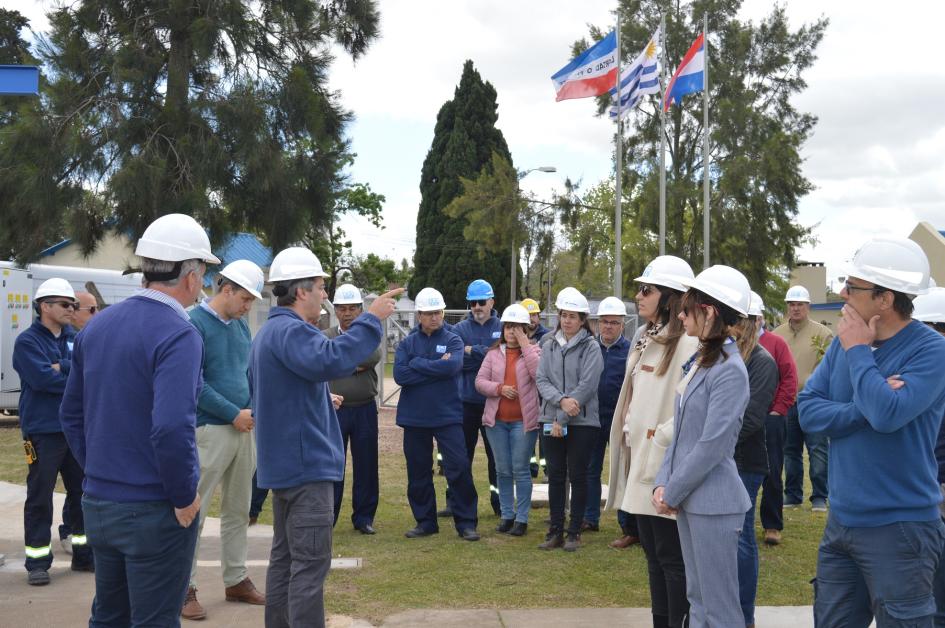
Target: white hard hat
[
  {"x": 667, "y": 271},
  {"x": 572, "y": 300},
  {"x": 54, "y": 287},
  {"x": 930, "y": 307},
  {"x": 724, "y": 284},
  {"x": 175, "y": 238},
  {"x": 347, "y": 294},
  {"x": 516, "y": 313},
  {"x": 757, "y": 306},
  {"x": 295, "y": 262},
  {"x": 797, "y": 294},
  {"x": 897, "y": 264},
  {"x": 247, "y": 275},
  {"x": 429, "y": 300},
  {"x": 611, "y": 306}
]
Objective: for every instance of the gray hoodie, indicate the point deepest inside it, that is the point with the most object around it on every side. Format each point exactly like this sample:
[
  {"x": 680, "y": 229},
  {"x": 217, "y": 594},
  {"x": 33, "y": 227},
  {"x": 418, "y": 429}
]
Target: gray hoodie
[{"x": 569, "y": 369}]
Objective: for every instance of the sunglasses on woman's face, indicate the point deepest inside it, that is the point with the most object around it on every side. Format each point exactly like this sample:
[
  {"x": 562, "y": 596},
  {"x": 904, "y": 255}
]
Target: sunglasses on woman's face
[{"x": 646, "y": 289}]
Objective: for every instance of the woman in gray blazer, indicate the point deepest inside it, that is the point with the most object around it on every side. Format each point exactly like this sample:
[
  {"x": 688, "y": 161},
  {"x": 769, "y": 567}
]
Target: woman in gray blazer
[{"x": 698, "y": 481}]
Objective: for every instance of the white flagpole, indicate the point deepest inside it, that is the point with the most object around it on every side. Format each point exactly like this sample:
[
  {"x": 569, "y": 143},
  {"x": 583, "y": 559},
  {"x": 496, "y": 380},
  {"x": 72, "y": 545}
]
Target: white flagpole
[
  {"x": 662, "y": 136},
  {"x": 705, "y": 145},
  {"x": 618, "y": 236}
]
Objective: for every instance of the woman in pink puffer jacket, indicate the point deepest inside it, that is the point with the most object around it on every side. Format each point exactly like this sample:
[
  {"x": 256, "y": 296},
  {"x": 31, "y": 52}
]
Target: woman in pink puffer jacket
[{"x": 507, "y": 379}]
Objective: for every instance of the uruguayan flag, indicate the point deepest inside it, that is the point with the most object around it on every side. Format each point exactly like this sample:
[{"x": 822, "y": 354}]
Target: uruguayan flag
[{"x": 638, "y": 79}]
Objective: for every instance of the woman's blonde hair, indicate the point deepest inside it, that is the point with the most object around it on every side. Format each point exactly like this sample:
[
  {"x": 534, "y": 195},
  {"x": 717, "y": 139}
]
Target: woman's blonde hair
[{"x": 746, "y": 336}]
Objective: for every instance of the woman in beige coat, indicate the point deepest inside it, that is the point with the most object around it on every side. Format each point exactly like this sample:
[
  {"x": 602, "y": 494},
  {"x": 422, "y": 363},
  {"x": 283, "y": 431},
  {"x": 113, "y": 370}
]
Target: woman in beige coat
[{"x": 643, "y": 425}]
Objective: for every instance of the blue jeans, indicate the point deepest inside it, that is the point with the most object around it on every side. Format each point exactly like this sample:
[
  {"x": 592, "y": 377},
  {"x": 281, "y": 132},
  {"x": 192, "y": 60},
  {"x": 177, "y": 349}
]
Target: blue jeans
[
  {"x": 142, "y": 562},
  {"x": 748, "y": 550},
  {"x": 512, "y": 448},
  {"x": 817, "y": 445},
  {"x": 884, "y": 572},
  {"x": 595, "y": 465}
]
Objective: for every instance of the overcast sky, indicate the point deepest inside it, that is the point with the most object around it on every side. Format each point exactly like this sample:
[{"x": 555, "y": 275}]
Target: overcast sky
[{"x": 877, "y": 157}]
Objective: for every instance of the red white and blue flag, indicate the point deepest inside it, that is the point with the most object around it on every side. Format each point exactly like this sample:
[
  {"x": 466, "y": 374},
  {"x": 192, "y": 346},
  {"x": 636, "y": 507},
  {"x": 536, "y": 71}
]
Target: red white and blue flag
[
  {"x": 689, "y": 76},
  {"x": 592, "y": 73}
]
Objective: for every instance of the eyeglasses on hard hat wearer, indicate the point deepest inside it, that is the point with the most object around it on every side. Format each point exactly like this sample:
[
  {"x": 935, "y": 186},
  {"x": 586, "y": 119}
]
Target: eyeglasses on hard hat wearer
[{"x": 71, "y": 305}]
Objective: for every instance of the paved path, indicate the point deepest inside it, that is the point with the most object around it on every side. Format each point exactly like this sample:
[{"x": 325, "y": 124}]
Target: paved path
[{"x": 66, "y": 601}]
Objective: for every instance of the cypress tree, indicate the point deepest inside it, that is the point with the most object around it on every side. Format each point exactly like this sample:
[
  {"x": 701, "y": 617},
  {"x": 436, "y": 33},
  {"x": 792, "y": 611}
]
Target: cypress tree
[{"x": 463, "y": 142}]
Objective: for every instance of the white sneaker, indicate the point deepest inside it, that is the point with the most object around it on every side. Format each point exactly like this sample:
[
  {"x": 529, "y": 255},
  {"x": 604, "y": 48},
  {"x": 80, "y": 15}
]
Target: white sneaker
[{"x": 66, "y": 544}]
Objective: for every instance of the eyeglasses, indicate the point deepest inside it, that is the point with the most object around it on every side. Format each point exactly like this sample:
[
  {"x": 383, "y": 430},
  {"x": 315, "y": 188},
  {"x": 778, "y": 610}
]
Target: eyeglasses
[
  {"x": 66, "y": 304},
  {"x": 611, "y": 323},
  {"x": 646, "y": 289},
  {"x": 851, "y": 288},
  {"x": 92, "y": 309},
  {"x": 479, "y": 302}
]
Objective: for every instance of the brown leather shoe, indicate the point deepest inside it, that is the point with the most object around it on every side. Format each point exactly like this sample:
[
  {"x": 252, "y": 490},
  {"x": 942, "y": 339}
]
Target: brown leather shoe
[
  {"x": 245, "y": 591},
  {"x": 192, "y": 608},
  {"x": 624, "y": 542},
  {"x": 772, "y": 537}
]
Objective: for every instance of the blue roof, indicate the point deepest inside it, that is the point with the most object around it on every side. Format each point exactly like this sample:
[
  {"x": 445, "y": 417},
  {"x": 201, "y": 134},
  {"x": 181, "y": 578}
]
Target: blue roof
[{"x": 241, "y": 246}]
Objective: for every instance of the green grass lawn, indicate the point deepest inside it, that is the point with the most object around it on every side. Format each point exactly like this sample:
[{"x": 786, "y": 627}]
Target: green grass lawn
[{"x": 499, "y": 571}]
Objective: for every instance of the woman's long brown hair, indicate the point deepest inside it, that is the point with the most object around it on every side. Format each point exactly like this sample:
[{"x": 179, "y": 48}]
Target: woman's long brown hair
[
  {"x": 668, "y": 309},
  {"x": 715, "y": 336}
]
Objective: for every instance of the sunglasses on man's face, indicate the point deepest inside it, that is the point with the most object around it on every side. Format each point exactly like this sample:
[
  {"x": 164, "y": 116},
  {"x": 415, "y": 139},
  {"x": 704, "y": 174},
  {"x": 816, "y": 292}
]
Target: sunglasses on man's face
[
  {"x": 479, "y": 302},
  {"x": 92, "y": 309},
  {"x": 65, "y": 304}
]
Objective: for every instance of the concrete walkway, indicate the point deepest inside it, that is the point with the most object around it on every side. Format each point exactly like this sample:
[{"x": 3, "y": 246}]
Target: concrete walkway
[{"x": 67, "y": 600}]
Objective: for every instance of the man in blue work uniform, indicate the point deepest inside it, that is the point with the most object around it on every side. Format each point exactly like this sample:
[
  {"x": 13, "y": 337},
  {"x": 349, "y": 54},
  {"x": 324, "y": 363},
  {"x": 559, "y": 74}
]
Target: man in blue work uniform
[
  {"x": 129, "y": 413},
  {"x": 425, "y": 367},
  {"x": 42, "y": 356},
  {"x": 357, "y": 418},
  {"x": 478, "y": 331},
  {"x": 300, "y": 453},
  {"x": 614, "y": 347}
]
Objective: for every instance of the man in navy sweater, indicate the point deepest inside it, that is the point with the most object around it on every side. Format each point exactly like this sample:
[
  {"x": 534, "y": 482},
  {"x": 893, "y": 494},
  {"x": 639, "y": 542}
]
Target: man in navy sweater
[
  {"x": 878, "y": 395},
  {"x": 478, "y": 331},
  {"x": 42, "y": 356},
  {"x": 129, "y": 414},
  {"x": 300, "y": 454},
  {"x": 425, "y": 366},
  {"x": 225, "y": 445}
]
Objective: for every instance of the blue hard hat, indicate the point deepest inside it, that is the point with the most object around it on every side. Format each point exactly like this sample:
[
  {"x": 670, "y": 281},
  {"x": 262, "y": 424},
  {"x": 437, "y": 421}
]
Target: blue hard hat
[{"x": 479, "y": 289}]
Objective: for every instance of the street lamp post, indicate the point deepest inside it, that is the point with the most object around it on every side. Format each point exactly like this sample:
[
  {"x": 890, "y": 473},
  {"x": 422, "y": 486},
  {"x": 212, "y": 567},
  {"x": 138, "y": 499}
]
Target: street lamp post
[{"x": 514, "y": 253}]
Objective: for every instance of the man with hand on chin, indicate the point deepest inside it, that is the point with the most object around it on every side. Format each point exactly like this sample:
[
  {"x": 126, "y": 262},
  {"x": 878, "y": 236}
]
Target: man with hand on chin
[{"x": 879, "y": 396}]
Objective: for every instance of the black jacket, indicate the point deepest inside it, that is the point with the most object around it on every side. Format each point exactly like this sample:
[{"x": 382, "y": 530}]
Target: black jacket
[{"x": 751, "y": 455}]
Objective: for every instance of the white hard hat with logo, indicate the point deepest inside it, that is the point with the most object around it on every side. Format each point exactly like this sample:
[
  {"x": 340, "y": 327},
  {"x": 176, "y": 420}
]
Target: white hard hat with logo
[
  {"x": 295, "y": 262},
  {"x": 757, "y": 306},
  {"x": 175, "y": 238},
  {"x": 347, "y": 294},
  {"x": 724, "y": 284},
  {"x": 516, "y": 313},
  {"x": 247, "y": 275},
  {"x": 797, "y": 294},
  {"x": 54, "y": 287},
  {"x": 429, "y": 300},
  {"x": 572, "y": 300},
  {"x": 668, "y": 271},
  {"x": 611, "y": 306},
  {"x": 930, "y": 307},
  {"x": 897, "y": 264}
]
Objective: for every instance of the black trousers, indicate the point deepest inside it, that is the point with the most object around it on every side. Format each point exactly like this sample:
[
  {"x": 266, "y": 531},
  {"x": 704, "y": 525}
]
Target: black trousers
[
  {"x": 664, "y": 561},
  {"x": 418, "y": 450},
  {"x": 772, "y": 490},
  {"x": 53, "y": 458},
  {"x": 568, "y": 458},
  {"x": 472, "y": 428},
  {"x": 359, "y": 428}
]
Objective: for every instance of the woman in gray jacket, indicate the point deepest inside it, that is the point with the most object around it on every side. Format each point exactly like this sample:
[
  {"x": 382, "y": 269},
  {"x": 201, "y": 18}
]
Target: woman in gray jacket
[
  {"x": 567, "y": 379},
  {"x": 698, "y": 481}
]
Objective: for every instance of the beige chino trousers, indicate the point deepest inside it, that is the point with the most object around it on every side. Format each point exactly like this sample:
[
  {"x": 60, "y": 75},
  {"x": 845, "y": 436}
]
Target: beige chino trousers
[{"x": 227, "y": 459}]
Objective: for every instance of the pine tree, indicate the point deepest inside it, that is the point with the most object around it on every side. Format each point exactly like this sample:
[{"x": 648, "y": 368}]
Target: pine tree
[
  {"x": 220, "y": 110},
  {"x": 464, "y": 139}
]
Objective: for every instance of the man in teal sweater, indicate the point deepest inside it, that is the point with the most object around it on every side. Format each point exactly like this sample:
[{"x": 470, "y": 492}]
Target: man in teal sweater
[
  {"x": 878, "y": 395},
  {"x": 225, "y": 443}
]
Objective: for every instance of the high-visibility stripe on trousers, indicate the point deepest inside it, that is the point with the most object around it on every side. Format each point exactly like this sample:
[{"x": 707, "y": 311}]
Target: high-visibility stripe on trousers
[{"x": 37, "y": 552}]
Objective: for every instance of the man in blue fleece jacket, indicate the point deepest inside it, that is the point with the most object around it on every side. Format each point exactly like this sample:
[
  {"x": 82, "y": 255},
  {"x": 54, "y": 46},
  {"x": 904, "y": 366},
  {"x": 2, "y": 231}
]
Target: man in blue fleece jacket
[
  {"x": 425, "y": 366},
  {"x": 129, "y": 414},
  {"x": 300, "y": 454},
  {"x": 478, "y": 331},
  {"x": 42, "y": 356},
  {"x": 879, "y": 396}
]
